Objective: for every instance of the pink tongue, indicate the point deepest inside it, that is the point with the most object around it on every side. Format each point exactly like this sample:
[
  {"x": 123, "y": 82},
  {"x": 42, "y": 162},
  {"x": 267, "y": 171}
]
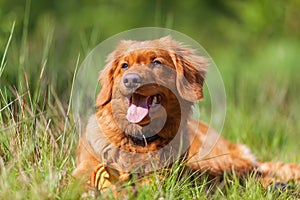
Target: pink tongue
[{"x": 135, "y": 114}]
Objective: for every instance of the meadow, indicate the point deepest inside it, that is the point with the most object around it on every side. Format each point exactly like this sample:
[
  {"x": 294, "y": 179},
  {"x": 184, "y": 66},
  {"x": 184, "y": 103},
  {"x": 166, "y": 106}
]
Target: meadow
[{"x": 41, "y": 46}]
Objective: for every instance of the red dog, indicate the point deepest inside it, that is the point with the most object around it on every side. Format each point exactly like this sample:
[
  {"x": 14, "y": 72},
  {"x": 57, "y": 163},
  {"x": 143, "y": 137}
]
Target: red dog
[{"x": 142, "y": 120}]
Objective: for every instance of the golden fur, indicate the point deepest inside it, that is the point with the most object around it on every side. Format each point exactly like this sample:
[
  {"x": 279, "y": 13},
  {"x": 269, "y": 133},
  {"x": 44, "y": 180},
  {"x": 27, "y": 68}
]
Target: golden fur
[{"x": 115, "y": 147}]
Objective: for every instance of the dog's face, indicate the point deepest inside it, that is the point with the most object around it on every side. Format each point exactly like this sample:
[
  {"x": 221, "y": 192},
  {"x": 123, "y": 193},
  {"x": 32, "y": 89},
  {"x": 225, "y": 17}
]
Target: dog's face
[{"x": 149, "y": 84}]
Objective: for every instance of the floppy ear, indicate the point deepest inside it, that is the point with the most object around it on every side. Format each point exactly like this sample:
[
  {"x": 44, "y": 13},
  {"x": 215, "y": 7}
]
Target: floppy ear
[
  {"x": 106, "y": 80},
  {"x": 190, "y": 72},
  {"x": 106, "y": 76}
]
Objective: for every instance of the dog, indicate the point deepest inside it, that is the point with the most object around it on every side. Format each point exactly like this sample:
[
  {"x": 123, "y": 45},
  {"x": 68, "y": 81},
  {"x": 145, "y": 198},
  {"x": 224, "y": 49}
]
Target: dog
[{"x": 142, "y": 121}]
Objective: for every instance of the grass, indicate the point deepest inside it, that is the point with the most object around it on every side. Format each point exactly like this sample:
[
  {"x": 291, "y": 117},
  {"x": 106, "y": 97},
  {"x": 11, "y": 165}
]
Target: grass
[{"x": 38, "y": 137}]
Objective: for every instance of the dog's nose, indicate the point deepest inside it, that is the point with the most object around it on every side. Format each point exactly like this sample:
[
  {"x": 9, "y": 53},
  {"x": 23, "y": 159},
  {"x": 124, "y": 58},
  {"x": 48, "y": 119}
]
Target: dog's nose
[{"x": 132, "y": 80}]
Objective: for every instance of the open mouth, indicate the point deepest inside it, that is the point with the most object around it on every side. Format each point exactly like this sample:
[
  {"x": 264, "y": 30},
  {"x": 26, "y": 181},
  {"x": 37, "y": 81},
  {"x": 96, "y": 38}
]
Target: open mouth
[{"x": 139, "y": 106}]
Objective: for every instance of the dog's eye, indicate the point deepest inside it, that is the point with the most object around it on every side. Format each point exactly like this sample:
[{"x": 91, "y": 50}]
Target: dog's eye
[
  {"x": 156, "y": 62},
  {"x": 124, "y": 66}
]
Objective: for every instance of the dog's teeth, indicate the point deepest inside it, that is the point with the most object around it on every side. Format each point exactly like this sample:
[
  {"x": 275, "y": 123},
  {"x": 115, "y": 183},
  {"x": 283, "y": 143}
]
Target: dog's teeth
[{"x": 154, "y": 100}]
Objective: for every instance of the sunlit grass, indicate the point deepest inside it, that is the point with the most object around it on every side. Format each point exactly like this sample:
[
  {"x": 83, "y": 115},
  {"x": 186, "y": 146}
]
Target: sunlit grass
[{"x": 37, "y": 140}]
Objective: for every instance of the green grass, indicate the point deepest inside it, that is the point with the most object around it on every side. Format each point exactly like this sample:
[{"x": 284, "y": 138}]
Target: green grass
[{"x": 38, "y": 137}]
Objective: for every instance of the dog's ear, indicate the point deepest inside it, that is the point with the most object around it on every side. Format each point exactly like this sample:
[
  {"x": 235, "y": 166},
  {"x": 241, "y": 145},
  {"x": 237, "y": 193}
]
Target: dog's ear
[
  {"x": 190, "y": 71},
  {"x": 107, "y": 74},
  {"x": 106, "y": 81}
]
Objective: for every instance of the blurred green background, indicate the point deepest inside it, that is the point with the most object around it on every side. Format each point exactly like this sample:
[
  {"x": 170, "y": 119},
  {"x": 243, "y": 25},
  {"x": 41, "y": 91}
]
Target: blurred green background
[{"x": 256, "y": 32}]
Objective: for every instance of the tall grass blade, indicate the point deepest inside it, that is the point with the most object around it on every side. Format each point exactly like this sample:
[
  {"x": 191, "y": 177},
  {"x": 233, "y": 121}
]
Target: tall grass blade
[{"x": 3, "y": 63}]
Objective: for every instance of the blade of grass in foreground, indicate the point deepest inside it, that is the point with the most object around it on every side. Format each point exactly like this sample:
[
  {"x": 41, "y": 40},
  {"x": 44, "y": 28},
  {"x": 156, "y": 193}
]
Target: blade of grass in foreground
[{"x": 3, "y": 63}]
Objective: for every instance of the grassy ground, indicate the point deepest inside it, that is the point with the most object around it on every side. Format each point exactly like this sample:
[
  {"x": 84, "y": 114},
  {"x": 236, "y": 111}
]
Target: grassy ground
[{"x": 38, "y": 137}]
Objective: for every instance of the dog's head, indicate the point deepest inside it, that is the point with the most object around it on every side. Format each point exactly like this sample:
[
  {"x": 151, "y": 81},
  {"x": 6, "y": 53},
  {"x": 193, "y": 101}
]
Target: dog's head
[{"x": 149, "y": 81}]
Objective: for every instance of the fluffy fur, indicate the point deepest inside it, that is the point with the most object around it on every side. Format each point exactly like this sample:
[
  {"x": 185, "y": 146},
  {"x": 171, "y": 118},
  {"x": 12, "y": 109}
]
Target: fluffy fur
[{"x": 114, "y": 145}]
